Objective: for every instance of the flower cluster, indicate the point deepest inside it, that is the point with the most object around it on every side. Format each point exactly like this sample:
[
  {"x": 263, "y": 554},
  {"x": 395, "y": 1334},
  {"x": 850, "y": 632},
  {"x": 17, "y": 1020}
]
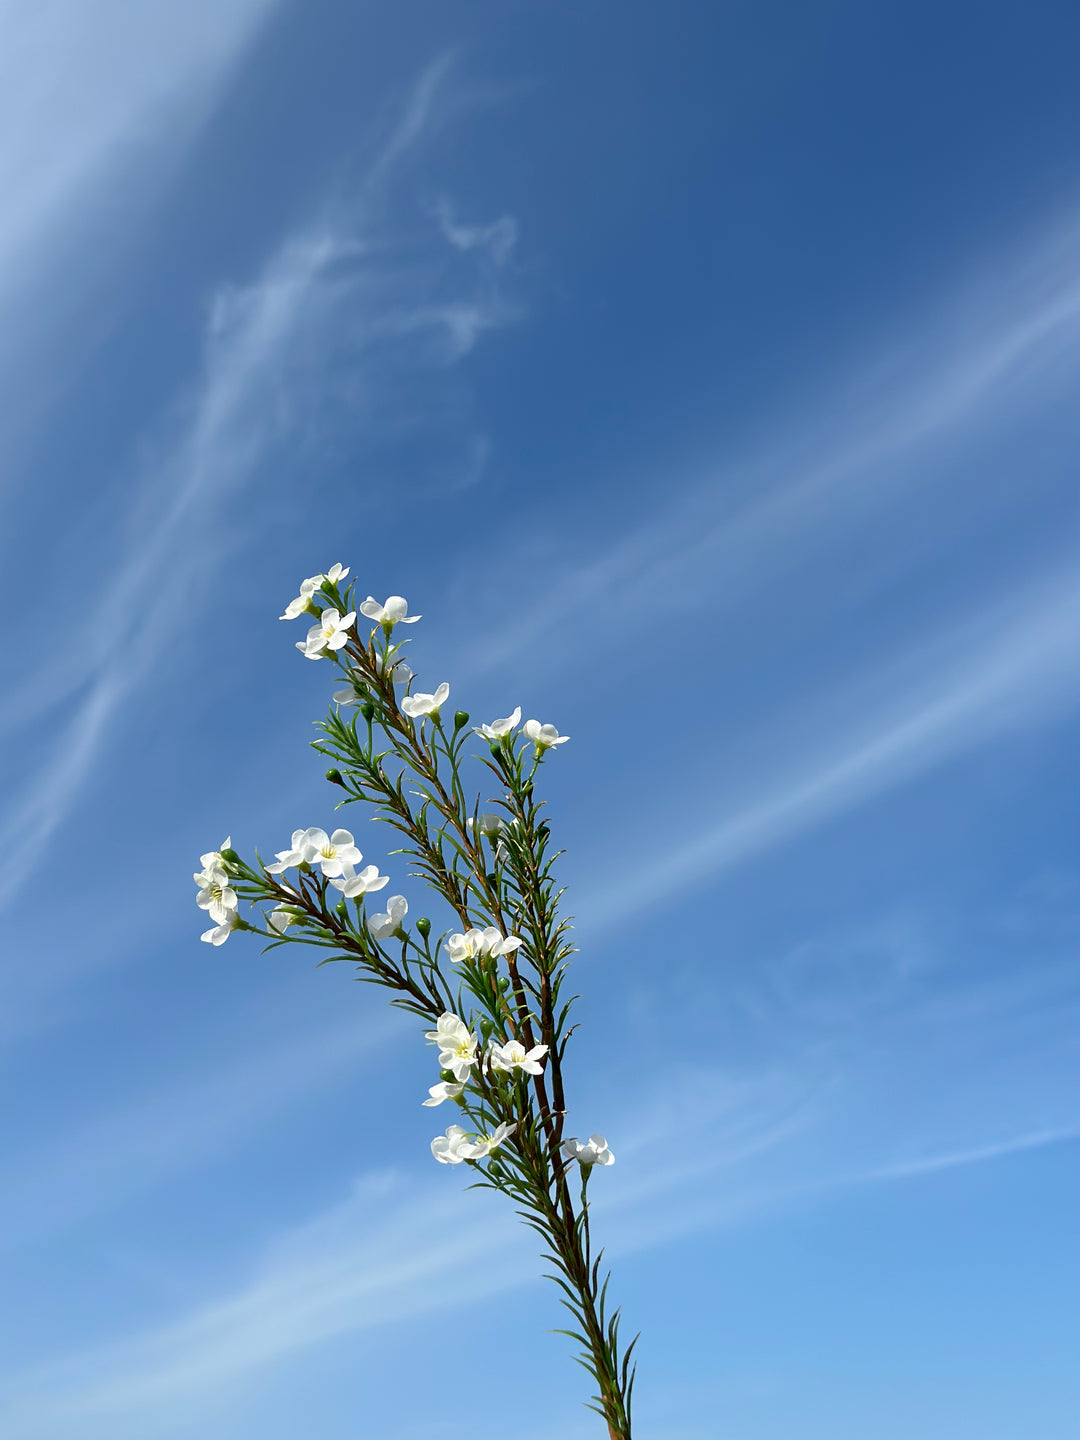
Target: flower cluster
[
  {"x": 336, "y": 856},
  {"x": 216, "y": 896},
  {"x": 458, "y": 1144},
  {"x": 459, "y": 1052},
  {"x": 479, "y": 944},
  {"x": 543, "y": 737}
]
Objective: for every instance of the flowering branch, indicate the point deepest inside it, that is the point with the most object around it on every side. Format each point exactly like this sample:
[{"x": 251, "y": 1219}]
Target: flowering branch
[{"x": 492, "y": 990}]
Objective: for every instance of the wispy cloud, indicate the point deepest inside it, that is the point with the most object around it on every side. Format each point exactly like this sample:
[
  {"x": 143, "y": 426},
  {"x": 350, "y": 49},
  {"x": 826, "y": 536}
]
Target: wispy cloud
[
  {"x": 326, "y": 296},
  {"x": 99, "y": 105},
  {"x": 1004, "y": 339},
  {"x": 396, "y": 1250},
  {"x": 977, "y": 1155},
  {"x": 1013, "y": 666},
  {"x": 160, "y": 1135}
]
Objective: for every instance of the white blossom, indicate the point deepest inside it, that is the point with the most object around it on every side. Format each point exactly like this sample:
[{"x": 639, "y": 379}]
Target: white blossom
[
  {"x": 454, "y": 1147},
  {"x": 398, "y": 668},
  {"x": 308, "y": 588},
  {"x": 215, "y": 894},
  {"x": 458, "y": 1145},
  {"x": 486, "y": 1143},
  {"x": 513, "y": 1056},
  {"x": 330, "y": 633},
  {"x": 416, "y": 705},
  {"x": 348, "y": 695},
  {"x": 353, "y": 884},
  {"x": 303, "y": 601},
  {"x": 596, "y": 1152},
  {"x": 475, "y": 944},
  {"x": 499, "y": 729},
  {"x": 490, "y": 824},
  {"x": 383, "y": 925},
  {"x": 295, "y": 855},
  {"x": 444, "y": 1090},
  {"x": 281, "y": 917},
  {"x": 544, "y": 737},
  {"x": 332, "y": 853},
  {"x": 457, "y": 1045},
  {"x": 218, "y": 934},
  {"x": 394, "y": 612},
  {"x": 213, "y": 857}
]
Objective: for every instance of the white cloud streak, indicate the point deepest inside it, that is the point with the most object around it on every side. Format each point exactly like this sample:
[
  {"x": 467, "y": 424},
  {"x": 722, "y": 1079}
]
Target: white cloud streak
[
  {"x": 379, "y": 1258},
  {"x": 996, "y": 347},
  {"x": 314, "y": 289},
  {"x": 111, "y": 1159},
  {"x": 87, "y": 92},
  {"x": 1015, "y": 666}
]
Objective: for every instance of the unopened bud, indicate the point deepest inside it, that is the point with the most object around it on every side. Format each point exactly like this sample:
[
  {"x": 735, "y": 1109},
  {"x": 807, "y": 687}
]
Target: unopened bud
[
  {"x": 334, "y": 776},
  {"x": 495, "y": 747},
  {"x": 367, "y": 709},
  {"x": 424, "y": 926},
  {"x": 461, "y": 719},
  {"x": 341, "y": 908},
  {"x": 231, "y": 856},
  {"x": 504, "y": 983}
]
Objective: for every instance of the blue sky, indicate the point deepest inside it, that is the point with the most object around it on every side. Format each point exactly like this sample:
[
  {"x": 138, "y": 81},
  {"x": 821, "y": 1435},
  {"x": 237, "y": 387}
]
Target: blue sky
[{"x": 706, "y": 375}]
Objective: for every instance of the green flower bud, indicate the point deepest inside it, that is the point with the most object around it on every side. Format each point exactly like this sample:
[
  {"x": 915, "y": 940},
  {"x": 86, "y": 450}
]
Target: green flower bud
[
  {"x": 495, "y": 747},
  {"x": 334, "y": 776},
  {"x": 341, "y": 908},
  {"x": 231, "y": 856},
  {"x": 504, "y": 983},
  {"x": 424, "y": 926},
  {"x": 367, "y": 709},
  {"x": 461, "y": 718}
]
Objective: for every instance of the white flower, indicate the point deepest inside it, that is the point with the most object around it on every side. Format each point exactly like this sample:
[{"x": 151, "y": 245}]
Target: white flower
[
  {"x": 348, "y": 695},
  {"x": 220, "y": 933},
  {"x": 457, "y": 1045},
  {"x": 394, "y": 612},
  {"x": 351, "y": 694},
  {"x": 353, "y": 884},
  {"x": 596, "y": 1152},
  {"x": 499, "y": 729},
  {"x": 215, "y": 894},
  {"x": 332, "y": 853},
  {"x": 308, "y": 588},
  {"x": 295, "y": 855},
  {"x": 213, "y": 857},
  {"x": 475, "y": 944},
  {"x": 487, "y": 1143},
  {"x": 490, "y": 825},
  {"x": 458, "y": 1145},
  {"x": 281, "y": 918},
  {"x": 398, "y": 668},
  {"x": 416, "y": 705},
  {"x": 454, "y": 1147},
  {"x": 384, "y": 925},
  {"x": 303, "y": 601},
  {"x": 513, "y": 1056},
  {"x": 544, "y": 737},
  {"x": 444, "y": 1090},
  {"x": 329, "y": 634}
]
